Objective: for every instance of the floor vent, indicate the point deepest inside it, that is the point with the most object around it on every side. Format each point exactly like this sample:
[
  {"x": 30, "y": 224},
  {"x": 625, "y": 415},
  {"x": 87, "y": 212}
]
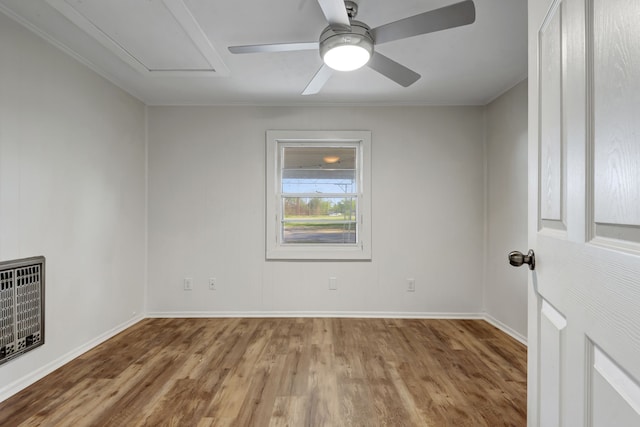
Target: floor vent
[{"x": 21, "y": 306}]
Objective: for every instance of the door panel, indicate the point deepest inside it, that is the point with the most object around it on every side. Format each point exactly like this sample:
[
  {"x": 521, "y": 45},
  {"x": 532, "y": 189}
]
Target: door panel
[
  {"x": 550, "y": 78},
  {"x": 552, "y": 324},
  {"x": 615, "y": 36},
  {"x": 584, "y": 298},
  {"x": 615, "y": 395}
]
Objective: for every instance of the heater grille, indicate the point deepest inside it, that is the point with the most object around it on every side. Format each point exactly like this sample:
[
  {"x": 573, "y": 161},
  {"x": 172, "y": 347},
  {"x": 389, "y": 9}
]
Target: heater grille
[{"x": 21, "y": 306}]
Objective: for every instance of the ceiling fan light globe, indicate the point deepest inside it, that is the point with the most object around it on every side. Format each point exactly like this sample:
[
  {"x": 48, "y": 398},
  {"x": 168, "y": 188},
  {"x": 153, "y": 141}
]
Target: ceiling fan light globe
[
  {"x": 346, "y": 57},
  {"x": 346, "y": 50}
]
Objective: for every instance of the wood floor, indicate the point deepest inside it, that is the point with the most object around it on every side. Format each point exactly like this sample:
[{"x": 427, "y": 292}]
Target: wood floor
[{"x": 286, "y": 372}]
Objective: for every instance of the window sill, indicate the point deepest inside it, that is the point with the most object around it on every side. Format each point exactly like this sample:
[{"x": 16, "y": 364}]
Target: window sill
[{"x": 324, "y": 253}]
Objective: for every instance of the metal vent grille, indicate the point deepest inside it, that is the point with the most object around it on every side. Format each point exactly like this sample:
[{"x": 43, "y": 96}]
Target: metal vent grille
[{"x": 21, "y": 306}]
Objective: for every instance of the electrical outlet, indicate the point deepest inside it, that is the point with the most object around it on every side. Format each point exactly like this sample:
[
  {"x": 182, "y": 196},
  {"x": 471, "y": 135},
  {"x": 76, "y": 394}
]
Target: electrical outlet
[
  {"x": 212, "y": 283},
  {"x": 411, "y": 285},
  {"x": 188, "y": 284},
  {"x": 333, "y": 283}
]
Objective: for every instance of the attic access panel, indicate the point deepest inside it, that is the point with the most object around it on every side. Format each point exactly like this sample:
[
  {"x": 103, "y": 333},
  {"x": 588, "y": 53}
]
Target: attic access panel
[
  {"x": 158, "y": 37},
  {"x": 21, "y": 306}
]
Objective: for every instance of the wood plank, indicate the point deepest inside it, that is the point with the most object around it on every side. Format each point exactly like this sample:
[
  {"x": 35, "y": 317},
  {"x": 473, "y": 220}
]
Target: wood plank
[{"x": 286, "y": 372}]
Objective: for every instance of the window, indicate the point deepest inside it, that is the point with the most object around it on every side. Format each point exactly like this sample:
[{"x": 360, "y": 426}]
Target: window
[{"x": 318, "y": 195}]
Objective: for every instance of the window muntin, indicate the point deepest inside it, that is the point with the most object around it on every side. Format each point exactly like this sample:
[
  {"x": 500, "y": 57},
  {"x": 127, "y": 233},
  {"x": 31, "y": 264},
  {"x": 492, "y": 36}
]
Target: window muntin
[{"x": 318, "y": 195}]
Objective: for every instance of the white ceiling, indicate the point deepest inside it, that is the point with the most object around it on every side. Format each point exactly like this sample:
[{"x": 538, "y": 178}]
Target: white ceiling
[{"x": 174, "y": 52}]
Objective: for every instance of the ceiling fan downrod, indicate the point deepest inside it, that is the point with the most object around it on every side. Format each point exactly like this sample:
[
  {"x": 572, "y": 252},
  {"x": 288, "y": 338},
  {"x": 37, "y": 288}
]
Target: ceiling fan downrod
[{"x": 352, "y": 8}]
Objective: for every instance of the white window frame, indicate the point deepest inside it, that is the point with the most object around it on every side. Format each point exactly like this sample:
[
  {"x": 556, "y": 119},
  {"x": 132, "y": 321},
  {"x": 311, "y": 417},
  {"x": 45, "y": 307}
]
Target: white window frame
[{"x": 275, "y": 248}]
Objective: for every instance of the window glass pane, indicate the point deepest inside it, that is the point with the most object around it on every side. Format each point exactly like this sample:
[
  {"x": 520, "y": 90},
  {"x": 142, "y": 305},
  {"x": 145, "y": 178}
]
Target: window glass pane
[
  {"x": 319, "y": 220},
  {"x": 319, "y": 170}
]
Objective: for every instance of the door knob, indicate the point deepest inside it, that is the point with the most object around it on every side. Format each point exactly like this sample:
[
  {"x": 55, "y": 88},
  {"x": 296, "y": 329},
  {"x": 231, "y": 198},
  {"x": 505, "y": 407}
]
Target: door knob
[{"x": 517, "y": 258}]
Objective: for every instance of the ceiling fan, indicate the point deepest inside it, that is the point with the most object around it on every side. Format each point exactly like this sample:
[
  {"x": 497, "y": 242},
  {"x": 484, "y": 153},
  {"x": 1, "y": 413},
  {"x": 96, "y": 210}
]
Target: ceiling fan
[{"x": 347, "y": 44}]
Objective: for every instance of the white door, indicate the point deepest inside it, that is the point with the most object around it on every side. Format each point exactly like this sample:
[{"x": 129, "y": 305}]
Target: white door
[{"x": 584, "y": 212}]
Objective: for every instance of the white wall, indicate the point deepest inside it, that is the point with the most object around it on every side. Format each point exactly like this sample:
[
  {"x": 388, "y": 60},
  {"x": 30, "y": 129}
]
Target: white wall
[
  {"x": 72, "y": 188},
  {"x": 506, "y": 156},
  {"x": 206, "y": 213}
]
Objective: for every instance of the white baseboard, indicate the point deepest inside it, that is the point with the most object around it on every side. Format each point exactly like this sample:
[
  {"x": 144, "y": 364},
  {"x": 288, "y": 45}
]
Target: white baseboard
[
  {"x": 24, "y": 382},
  {"x": 338, "y": 314},
  {"x": 504, "y": 328}
]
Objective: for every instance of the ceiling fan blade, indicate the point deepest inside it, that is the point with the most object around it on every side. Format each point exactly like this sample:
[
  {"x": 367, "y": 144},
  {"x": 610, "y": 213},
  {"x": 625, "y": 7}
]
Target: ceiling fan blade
[
  {"x": 455, "y": 15},
  {"x": 336, "y": 14},
  {"x": 391, "y": 69},
  {"x": 274, "y": 47},
  {"x": 316, "y": 83}
]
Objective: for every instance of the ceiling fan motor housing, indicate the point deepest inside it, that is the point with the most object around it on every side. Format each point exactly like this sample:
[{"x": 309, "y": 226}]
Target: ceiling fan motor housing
[{"x": 358, "y": 36}]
